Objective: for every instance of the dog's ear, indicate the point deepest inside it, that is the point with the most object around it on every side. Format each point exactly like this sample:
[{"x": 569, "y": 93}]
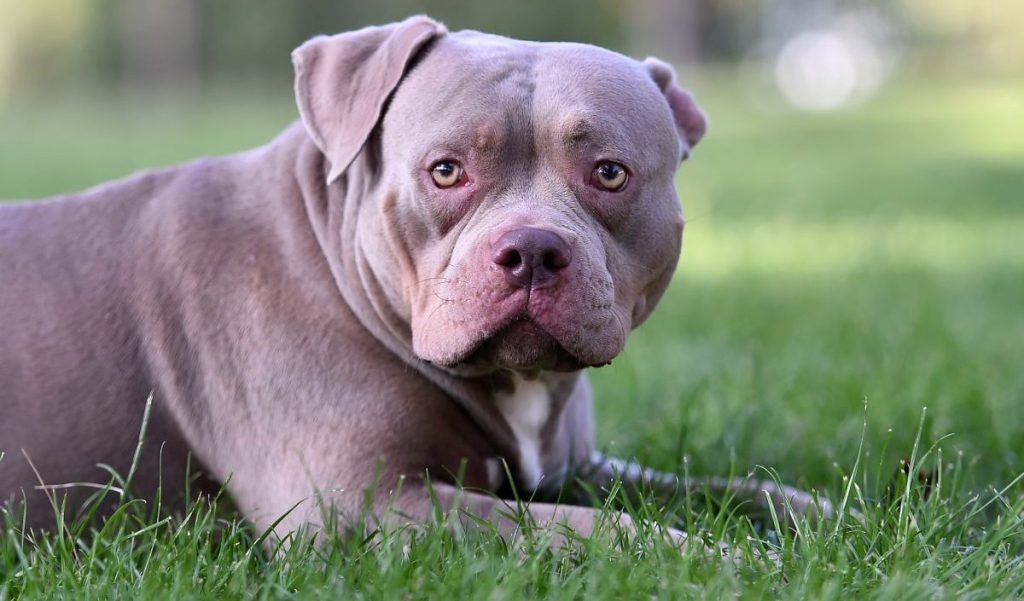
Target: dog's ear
[
  {"x": 691, "y": 122},
  {"x": 342, "y": 83}
]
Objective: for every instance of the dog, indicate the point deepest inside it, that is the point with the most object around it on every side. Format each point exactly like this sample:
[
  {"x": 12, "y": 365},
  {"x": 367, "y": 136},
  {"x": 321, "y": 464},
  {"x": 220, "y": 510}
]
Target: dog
[{"x": 395, "y": 299}]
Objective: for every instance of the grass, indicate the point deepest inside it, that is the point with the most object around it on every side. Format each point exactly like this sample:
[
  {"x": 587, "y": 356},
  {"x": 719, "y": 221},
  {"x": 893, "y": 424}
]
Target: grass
[{"x": 850, "y": 295}]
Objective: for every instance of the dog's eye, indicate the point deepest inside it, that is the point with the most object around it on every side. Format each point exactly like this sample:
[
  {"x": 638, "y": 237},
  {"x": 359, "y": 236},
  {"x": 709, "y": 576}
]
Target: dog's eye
[
  {"x": 611, "y": 176},
  {"x": 446, "y": 173}
]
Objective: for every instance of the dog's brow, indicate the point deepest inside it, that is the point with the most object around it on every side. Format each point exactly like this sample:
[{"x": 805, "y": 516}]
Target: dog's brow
[
  {"x": 577, "y": 130},
  {"x": 584, "y": 131},
  {"x": 485, "y": 136}
]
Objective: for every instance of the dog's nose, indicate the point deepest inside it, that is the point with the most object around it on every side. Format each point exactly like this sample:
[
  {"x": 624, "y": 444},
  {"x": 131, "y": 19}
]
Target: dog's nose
[{"x": 531, "y": 257}]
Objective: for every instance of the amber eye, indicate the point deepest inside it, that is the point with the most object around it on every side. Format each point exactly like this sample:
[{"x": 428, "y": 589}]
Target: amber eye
[
  {"x": 446, "y": 173},
  {"x": 611, "y": 176}
]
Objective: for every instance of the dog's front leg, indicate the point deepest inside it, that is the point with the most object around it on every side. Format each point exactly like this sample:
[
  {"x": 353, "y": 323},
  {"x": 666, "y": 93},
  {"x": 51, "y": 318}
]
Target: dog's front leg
[
  {"x": 467, "y": 510},
  {"x": 758, "y": 498}
]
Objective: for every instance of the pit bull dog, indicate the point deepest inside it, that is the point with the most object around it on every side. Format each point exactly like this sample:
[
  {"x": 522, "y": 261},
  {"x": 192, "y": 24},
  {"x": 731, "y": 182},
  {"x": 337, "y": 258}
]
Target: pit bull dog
[{"x": 408, "y": 281}]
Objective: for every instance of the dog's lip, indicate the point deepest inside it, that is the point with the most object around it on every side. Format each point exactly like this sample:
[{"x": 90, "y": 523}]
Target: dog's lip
[{"x": 522, "y": 315}]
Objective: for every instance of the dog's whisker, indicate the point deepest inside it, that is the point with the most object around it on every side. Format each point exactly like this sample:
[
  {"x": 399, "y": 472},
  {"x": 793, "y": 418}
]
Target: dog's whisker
[{"x": 438, "y": 281}]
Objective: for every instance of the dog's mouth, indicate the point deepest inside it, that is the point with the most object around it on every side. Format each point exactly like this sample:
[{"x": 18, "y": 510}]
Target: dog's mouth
[
  {"x": 524, "y": 331},
  {"x": 522, "y": 345}
]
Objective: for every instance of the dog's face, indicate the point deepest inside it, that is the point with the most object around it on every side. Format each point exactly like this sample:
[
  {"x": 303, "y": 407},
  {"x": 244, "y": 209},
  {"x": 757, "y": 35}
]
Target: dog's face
[{"x": 528, "y": 198}]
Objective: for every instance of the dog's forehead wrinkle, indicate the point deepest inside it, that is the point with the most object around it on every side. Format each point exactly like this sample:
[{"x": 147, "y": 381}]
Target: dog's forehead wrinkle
[
  {"x": 599, "y": 101},
  {"x": 486, "y": 136},
  {"x": 439, "y": 108},
  {"x": 469, "y": 95},
  {"x": 577, "y": 127}
]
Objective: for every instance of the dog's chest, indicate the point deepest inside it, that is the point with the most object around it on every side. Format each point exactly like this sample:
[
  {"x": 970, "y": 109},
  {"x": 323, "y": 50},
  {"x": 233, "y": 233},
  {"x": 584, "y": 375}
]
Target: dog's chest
[{"x": 527, "y": 409}]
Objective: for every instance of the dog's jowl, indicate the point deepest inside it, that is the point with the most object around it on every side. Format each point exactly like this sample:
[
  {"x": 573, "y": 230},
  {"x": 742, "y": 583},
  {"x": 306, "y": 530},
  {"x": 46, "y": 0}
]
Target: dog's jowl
[{"x": 410, "y": 280}]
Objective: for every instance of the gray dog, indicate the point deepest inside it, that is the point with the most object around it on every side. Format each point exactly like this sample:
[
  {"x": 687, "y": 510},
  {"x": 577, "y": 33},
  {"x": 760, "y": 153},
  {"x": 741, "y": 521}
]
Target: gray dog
[{"x": 410, "y": 281}]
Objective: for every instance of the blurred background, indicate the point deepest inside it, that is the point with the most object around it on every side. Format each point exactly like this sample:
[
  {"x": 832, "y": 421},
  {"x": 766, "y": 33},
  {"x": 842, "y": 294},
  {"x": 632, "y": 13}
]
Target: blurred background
[
  {"x": 853, "y": 253},
  {"x": 821, "y": 54}
]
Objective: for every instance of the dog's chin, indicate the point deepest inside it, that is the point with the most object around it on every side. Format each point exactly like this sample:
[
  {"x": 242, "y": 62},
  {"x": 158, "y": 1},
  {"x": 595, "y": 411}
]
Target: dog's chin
[{"x": 523, "y": 346}]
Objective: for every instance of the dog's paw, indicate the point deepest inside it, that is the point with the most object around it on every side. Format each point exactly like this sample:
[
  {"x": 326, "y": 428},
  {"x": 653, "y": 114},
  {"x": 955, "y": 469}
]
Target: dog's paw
[{"x": 791, "y": 505}]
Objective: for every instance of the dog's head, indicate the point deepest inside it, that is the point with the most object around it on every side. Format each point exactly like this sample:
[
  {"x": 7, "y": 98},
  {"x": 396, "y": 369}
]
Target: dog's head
[{"x": 524, "y": 191}]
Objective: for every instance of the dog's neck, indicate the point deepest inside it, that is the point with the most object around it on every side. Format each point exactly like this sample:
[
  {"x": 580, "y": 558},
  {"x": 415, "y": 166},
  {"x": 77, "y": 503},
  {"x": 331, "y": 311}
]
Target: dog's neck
[{"x": 344, "y": 218}]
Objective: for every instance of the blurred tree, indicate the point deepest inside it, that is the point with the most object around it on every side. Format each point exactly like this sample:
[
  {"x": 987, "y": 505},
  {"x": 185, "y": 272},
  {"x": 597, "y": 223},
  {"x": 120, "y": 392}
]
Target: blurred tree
[
  {"x": 978, "y": 36},
  {"x": 50, "y": 44},
  {"x": 668, "y": 29},
  {"x": 160, "y": 43},
  {"x": 253, "y": 36},
  {"x": 36, "y": 38},
  {"x": 691, "y": 31}
]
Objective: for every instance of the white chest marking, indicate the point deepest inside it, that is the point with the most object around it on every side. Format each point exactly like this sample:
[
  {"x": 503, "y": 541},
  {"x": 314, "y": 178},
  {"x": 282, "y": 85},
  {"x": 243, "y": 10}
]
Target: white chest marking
[{"x": 526, "y": 409}]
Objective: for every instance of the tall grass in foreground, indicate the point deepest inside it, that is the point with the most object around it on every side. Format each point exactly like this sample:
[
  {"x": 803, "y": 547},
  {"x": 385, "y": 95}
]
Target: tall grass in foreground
[{"x": 924, "y": 537}]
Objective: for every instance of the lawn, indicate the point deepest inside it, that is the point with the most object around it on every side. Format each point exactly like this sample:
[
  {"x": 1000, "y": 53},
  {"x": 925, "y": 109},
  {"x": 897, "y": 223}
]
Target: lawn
[{"x": 850, "y": 294}]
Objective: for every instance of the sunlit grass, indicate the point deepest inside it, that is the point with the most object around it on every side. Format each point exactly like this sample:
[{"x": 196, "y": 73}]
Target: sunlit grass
[{"x": 791, "y": 250}]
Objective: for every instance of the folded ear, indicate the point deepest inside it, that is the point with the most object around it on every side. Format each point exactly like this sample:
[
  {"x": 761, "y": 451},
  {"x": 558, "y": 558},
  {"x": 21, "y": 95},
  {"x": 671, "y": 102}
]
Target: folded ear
[
  {"x": 343, "y": 81},
  {"x": 690, "y": 120}
]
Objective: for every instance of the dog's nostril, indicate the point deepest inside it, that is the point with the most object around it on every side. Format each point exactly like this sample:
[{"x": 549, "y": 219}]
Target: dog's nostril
[
  {"x": 508, "y": 257},
  {"x": 555, "y": 259}
]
